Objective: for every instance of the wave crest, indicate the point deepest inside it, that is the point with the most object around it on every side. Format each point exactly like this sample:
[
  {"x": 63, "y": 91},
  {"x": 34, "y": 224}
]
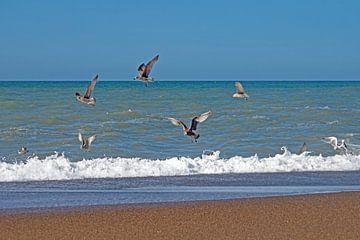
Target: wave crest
[{"x": 59, "y": 167}]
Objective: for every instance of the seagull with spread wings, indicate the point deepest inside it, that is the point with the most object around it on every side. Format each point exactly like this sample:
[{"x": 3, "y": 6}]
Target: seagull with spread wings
[
  {"x": 23, "y": 151},
  {"x": 144, "y": 71},
  {"x": 87, "y": 99},
  {"x": 240, "y": 92},
  {"x": 190, "y": 131},
  {"x": 86, "y": 142},
  {"x": 338, "y": 146}
]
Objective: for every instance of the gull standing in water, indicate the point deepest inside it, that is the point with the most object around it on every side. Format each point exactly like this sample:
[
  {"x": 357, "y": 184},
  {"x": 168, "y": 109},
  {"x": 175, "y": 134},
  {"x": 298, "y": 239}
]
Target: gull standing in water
[
  {"x": 240, "y": 92},
  {"x": 87, "y": 99},
  {"x": 333, "y": 141},
  {"x": 86, "y": 142},
  {"x": 191, "y": 131},
  {"x": 144, "y": 71}
]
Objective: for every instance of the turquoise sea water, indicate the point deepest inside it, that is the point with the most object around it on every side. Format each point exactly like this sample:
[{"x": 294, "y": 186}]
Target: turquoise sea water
[
  {"x": 134, "y": 138},
  {"x": 130, "y": 119}
]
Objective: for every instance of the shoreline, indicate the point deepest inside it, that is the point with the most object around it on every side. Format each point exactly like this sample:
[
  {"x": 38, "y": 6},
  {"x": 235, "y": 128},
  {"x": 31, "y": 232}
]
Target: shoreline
[
  {"x": 313, "y": 216},
  {"x": 124, "y": 206}
]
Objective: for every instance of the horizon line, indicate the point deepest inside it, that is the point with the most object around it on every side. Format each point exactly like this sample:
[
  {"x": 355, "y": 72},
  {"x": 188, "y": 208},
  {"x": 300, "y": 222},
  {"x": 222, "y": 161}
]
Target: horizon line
[{"x": 165, "y": 80}]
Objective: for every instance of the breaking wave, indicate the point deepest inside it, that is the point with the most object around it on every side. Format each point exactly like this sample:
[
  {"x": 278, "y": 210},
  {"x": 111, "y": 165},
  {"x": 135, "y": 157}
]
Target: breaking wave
[{"x": 59, "y": 167}]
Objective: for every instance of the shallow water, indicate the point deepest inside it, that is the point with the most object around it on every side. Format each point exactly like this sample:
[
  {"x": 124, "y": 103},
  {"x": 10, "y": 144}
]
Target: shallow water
[{"x": 87, "y": 192}]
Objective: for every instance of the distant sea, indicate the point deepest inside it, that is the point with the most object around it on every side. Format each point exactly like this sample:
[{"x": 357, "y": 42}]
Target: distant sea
[{"x": 246, "y": 148}]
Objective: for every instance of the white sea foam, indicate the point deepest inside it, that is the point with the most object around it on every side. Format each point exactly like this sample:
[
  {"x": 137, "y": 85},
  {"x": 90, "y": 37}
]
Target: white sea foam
[
  {"x": 59, "y": 167},
  {"x": 260, "y": 117},
  {"x": 333, "y": 122},
  {"x": 317, "y": 108}
]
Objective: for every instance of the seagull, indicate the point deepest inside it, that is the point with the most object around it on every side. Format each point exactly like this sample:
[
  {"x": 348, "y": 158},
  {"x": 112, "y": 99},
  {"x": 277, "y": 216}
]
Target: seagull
[
  {"x": 302, "y": 149},
  {"x": 86, "y": 98},
  {"x": 240, "y": 92},
  {"x": 191, "y": 131},
  {"x": 86, "y": 142},
  {"x": 144, "y": 71},
  {"x": 333, "y": 141},
  {"x": 23, "y": 151}
]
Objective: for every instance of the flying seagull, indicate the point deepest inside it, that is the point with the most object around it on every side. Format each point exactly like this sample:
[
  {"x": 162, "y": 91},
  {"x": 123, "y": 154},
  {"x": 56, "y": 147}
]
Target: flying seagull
[
  {"x": 191, "y": 131},
  {"x": 23, "y": 151},
  {"x": 333, "y": 141},
  {"x": 302, "y": 149},
  {"x": 86, "y": 142},
  {"x": 87, "y": 99},
  {"x": 240, "y": 92},
  {"x": 144, "y": 71}
]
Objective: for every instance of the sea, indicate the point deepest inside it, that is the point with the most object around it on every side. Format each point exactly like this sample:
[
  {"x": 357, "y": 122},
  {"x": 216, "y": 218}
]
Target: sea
[{"x": 247, "y": 148}]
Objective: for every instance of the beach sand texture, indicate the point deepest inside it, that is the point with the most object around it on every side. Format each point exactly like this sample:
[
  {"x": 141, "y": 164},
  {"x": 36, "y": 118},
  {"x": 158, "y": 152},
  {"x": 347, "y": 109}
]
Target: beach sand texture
[{"x": 322, "y": 216}]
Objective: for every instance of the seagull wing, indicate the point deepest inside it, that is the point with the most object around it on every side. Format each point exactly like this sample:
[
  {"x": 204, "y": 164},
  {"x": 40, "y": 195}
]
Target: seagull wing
[
  {"x": 91, "y": 139},
  {"x": 90, "y": 87},
  {"x": 199, "y": 119},
  {"x": 149, "y": 65},
  {"x": 176, "y": 122},
  {"x": 239, "y": 88},
  {"x": 80, "y": 137},
  {"x": 332, "y": 141},
  {"x": 303, "y": 149},
  {"x": 141, "y": 70}
]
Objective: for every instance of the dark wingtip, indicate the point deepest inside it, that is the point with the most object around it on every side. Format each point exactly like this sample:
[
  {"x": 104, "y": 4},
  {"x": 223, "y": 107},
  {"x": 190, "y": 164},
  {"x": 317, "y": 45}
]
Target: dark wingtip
[
  {"x": 139, "y": 68},
  {"x": 77, "y": 94},
  {"x": 97, "y": 76}
]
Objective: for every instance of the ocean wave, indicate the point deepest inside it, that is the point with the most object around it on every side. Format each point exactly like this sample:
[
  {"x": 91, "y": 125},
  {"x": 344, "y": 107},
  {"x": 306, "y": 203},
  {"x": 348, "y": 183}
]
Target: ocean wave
[
  {"x": 59, "y": 167},
  {"x": 332, "y": 122},
  {"x": 260, "y": 117},
  {"x": 317, "y": 108}
]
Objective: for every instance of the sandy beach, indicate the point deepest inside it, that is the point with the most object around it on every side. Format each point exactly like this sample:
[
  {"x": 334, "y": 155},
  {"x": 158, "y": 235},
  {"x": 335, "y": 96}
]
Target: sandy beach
[{"x": 321, "y": 216}]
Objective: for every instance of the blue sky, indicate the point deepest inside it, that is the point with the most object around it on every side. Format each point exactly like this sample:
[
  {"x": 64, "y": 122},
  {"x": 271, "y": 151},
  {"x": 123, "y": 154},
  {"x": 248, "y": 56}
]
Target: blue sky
[{"x": 221, "y": 40}]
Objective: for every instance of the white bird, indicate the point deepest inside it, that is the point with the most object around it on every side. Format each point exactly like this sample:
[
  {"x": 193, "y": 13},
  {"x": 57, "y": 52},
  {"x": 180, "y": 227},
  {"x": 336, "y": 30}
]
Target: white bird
[
  {"x": 86, "y": 142},
  {"x": 144, "y": 71},
  {"x": 87, "y": 99},
  {"x": 333, "y": 141},
  {"x": 191, "y": 131},
  {"x": 240, "y": 92}
]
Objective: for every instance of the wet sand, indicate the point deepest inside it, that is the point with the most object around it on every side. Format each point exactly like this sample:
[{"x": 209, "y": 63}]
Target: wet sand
[{"x": 321, "y": 216}]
